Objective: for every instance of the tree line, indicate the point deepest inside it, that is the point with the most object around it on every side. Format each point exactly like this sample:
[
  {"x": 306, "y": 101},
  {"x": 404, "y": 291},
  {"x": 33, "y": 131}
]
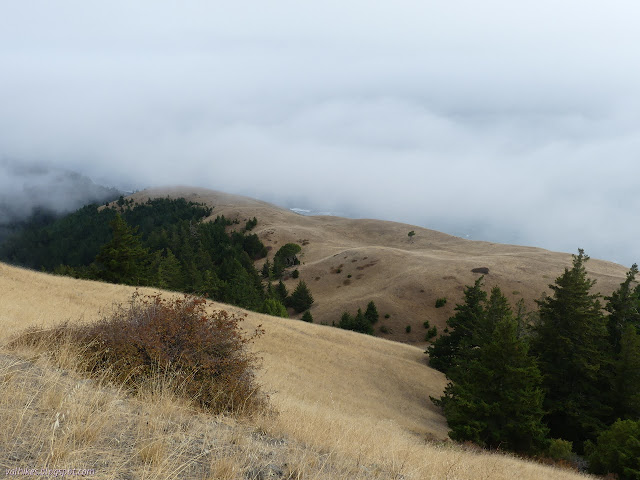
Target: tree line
[
  {"x": 568, "y": 372},
  {"x": 162, "y": 243}
]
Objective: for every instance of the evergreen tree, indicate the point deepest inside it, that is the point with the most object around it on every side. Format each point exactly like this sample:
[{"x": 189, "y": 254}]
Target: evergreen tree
[
  {"x": 570, "y": 342},
  {"x": 371, "y": 313},
  {"x": 301, "y": 298},
  {"x": 626, "y": 384},
  {"x": 281, "y": 292},
  {"x": 123, "y": 259},
  {"x": 346, "y": 322},
  {"x": 444, "y": 352},
  {"x": 496, "y": 399},
  {"x": 624, "y": 307},
  {"x": 307, "y": 317},
  {"x": 266, "y": 270},
  {"x": 362, "y": 324}
]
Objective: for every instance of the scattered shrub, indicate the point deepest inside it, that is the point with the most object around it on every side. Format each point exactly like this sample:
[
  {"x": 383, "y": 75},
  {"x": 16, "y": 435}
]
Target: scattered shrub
[
  {"x": 560, "y": 449},
  {"x": 431, "y": 333},
  {"x": 384, "y": 329},
  {"x": 295, "y": 273},
  {"x": 307, "y": 317},
  {"x": 407, "y": 329},
  {"x": 206, "y": 354},
  {"x": 441, "y": 302},
  {"x": 349, "y": 276},
  {"x": 386, "y": 315},
  {"x": 426, "y": 324}
]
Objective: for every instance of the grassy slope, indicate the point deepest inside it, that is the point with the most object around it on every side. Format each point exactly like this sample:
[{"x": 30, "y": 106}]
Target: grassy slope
[
  {"x": 404, "y": 278},
  {"x": 350, "y": 406}
]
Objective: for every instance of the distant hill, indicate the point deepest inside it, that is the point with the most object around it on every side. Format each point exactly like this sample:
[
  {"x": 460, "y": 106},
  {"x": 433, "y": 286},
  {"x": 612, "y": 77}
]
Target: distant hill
[{"x": 348, "y": 262}]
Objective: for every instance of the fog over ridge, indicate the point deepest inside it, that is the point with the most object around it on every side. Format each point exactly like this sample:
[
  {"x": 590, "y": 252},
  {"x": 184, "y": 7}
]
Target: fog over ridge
[{"x": 513, "y": 123}]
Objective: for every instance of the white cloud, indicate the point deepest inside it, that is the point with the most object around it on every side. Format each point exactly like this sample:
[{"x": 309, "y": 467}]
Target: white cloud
[{"x": 517, "y": 120}]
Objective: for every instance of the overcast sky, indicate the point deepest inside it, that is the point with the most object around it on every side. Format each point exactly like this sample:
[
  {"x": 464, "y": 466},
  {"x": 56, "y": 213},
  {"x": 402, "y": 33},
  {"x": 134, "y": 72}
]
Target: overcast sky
[{"x": 511, "y": 121}]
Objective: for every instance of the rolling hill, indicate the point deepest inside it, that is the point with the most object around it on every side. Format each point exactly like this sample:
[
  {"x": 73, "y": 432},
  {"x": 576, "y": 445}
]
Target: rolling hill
[
  {"x": 348, "y": 262},
  {"x": 347, "y": 406}
]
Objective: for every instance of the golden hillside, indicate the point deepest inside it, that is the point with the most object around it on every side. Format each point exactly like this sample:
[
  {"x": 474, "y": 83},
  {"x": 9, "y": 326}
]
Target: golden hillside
[
  {"x": 404, "y": 277},
  {"x": 350, "y": 406}
]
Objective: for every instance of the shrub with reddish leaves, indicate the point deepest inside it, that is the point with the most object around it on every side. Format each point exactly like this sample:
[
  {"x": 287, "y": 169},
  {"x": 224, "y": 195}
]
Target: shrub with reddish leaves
[{"x": 205, "y": 355}]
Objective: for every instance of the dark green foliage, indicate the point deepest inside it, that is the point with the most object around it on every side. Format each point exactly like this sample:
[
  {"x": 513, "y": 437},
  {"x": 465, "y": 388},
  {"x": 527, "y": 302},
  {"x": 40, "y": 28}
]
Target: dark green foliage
[
  {"x": 431, "y": 333},
  {"x": 386, "y": 315},
  {"x": 570, "y": 342},
  {"x": 301, "y": 298},
  {"x": 441, "y": 302},
  {"x": 184, "y": 253},
  {"x": 281, "y": 292},
  {"x": 384, "y": 329},
  {"x": 251, "y": 224},
  {"x": 407, "y": 329},
  {"x": 626, "y": 380},
  {"x": 495, "y": 399},
  {"x": 123, "y": 259},
  {"x": 411, "y": 234},
  {"x": 624, "y": 308},
  {"x": 426, "y": 324},
  {"x": 254, "y": 247},
  {"x": 307, "y": 317},
  {"x": 286, "y": 256},
  {"x": 295, "y": 273},
  {"x": 617, "y": 450},
  {"x": 357, "y": 323},
  {"x": 371, "y": 313},
  {"x": 266, "y": 270},
  {"x": 464, "y": 326}
]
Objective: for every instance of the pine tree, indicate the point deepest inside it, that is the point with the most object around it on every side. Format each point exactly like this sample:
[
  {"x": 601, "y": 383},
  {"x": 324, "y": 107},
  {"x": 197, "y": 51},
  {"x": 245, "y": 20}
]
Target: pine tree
[
  {"x": 570, "y": 342},
  {"x": 307, "y": 317},
  {"x": 496, "y": 399},
  {"x": 626, "y": 384},
  {"x": 371, "y": 313},
  {"x": 624, "y": 307},
  {"x": 266, "y": 270},
  {"x": 281, "y": 292},
  {"x": 301, "y": 298},
  {"x": 362, "y": 324},
  {"x": 444, "y": 352},
  {"x": 123, "y": 259}
]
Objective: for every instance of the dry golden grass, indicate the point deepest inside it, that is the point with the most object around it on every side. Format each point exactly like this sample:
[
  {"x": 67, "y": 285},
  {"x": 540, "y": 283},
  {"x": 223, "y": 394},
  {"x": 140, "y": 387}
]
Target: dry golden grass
[
  {"x": 403, "y": 277},
  {"x": 349, "y": 406}
]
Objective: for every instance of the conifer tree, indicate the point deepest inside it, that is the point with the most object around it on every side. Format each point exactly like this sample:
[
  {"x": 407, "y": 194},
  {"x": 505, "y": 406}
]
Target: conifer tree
[
  {"x": 624, "y": 307},
  {"x": 123, "y": 259},
  {"x": 467, "y": 320},
  {"x": 301, "y": 298},
  {"x": 371, "y": 313},
  {"x": 281, "y": 292},
  {"x": 570, "y": 342},
  {"x": 626, "y": 384},
  {"x": 496, "y": 399},
  {"x": 307, "y": 317}
]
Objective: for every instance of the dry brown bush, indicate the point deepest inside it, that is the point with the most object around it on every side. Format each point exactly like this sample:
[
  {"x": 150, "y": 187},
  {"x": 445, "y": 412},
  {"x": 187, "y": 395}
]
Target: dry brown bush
[{"x": 205, "y": 354}]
